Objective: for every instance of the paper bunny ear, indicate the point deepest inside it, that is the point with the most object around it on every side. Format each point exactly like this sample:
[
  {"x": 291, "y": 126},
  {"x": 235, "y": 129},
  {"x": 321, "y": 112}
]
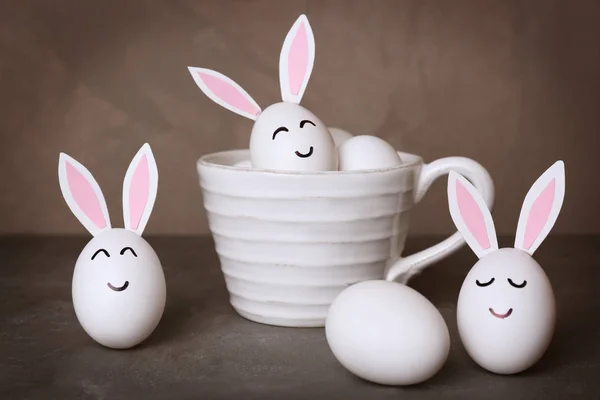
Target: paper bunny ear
[
  {"x": 139, "y": 190},
  {"x": 225, "y": 92},
  {"x": 83, "y": 195},
  {"x": 296, "y": 60},
  {"x": 471, "y": 215},
  {"x": 541, "y": 208}
]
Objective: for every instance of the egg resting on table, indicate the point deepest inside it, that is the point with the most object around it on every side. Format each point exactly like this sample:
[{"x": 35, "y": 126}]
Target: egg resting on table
[
  {"x": 387, "y": 333},
  {"x": 118, "y": 286},
  {"x": 506, "y": 307}
]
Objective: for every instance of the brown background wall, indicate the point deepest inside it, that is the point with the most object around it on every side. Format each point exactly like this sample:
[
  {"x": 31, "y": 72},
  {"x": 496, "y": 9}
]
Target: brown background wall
[{"x": 513, "y": 84}]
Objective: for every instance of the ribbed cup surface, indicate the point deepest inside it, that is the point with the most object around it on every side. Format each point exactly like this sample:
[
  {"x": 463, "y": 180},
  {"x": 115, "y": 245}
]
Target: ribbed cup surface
[{"x": 288, "y": 243}]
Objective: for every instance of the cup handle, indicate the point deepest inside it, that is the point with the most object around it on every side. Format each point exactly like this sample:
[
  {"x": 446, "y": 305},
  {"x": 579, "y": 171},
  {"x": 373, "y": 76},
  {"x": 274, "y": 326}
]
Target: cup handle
[{"x": 406, "y": 267}]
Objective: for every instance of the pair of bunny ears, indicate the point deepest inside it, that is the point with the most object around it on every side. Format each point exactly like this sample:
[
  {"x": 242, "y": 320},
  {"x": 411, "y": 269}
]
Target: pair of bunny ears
[
  {"x": 538, "y": 214},
  {"x": 85, "y": 199},
  {"x": 295, "y": 66}
]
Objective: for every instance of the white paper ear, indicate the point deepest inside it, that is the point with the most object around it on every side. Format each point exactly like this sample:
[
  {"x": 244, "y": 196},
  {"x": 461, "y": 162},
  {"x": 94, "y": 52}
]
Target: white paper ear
[
  {"x": 296, "y": 60},
  {"x": 83, "y": 195},
  {"x": 471, "y": 215},
  {"x": 139, "y": 190},
  {"x": 541, "y": 208},
  {"x": 225, "y": 92}
]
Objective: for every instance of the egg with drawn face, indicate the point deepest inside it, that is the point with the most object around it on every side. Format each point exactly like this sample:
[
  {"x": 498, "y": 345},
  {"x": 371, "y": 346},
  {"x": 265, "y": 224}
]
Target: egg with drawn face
[
  {"x": 118, "y": 289},
  {"x": 506, "y": 312},
  {"x": 506, "y": 307},
  {"x": 287, "y": 136},
  {"x": 118, "y": 286}
]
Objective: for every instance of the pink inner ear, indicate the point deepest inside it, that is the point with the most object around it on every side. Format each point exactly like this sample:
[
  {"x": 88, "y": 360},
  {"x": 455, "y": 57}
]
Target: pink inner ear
[
  {"x": 472, "y": 215},
  {"x": 298, "y": 59},
  {"x": 538, "y": 214},
  {"x": 229, "y": 93},
  {"x": 139, "y": 189},
  {"x": 84, "y": 195}
]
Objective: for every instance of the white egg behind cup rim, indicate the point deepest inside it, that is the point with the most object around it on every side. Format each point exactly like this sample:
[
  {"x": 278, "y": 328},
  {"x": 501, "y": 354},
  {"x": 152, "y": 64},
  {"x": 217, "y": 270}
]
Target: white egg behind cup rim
[
  {"x": 367, "y": 152},
  {"x": 119, "y": 289}
]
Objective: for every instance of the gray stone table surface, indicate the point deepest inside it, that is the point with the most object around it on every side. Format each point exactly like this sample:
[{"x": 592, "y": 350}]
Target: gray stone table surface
[{"x": 203, "y": 350}]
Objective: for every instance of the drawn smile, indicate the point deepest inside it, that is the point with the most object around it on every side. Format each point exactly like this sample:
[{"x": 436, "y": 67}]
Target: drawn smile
[
  {"x": 118, "y": 289},
  {"x": 501, "y": 316},
  {"x": 305, "y": 155}
]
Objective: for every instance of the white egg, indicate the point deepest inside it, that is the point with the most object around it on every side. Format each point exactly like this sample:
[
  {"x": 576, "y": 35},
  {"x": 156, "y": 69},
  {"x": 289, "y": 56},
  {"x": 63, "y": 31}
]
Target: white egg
[
  {"x": 288, "y": 137},
  {"x": 366, "y": 152},
  {"x": 387, "y": 333},
  {"x": 339, "y": 135},
  {"x": 119, "y": 295},
  {"x": 506, "y": 312},
  {"x": 243, "y": 164}
]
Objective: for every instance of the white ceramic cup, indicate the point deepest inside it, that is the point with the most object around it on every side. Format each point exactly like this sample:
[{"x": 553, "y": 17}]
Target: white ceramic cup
[{"x": 290, "y": 242}]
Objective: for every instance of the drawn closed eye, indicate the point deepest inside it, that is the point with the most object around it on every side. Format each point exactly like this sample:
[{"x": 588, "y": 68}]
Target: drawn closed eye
[
  {"x": 518, "y": 286},
  {"x": 488, "y": 283},
  {"x": 305, "y": 121},
  {"x": 280, "y": 129},
  {"x": 100, "y": 251},
  {"x": 128, "y": 248}
]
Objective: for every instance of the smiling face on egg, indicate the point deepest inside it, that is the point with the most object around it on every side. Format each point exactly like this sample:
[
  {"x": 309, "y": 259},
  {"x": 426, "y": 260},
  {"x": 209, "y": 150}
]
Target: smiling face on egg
[
  {"x": 287, "y": 136},
  {"x": 506, "y": 311},
  {"x": 506, "y": 307},
  {"x": 118, "y": 288}
]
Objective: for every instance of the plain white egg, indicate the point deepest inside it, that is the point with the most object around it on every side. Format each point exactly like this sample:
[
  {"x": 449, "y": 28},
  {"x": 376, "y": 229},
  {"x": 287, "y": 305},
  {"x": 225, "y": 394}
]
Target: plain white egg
[
  {"x": 288, "y": 137},
  {"x": 119, "y": 296},
  {"x": 387, "y": 333},
  {"x": 366, "y": 152},
  {"x": 506, "y": 325},
  {"x": 339, "y": 135}
]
